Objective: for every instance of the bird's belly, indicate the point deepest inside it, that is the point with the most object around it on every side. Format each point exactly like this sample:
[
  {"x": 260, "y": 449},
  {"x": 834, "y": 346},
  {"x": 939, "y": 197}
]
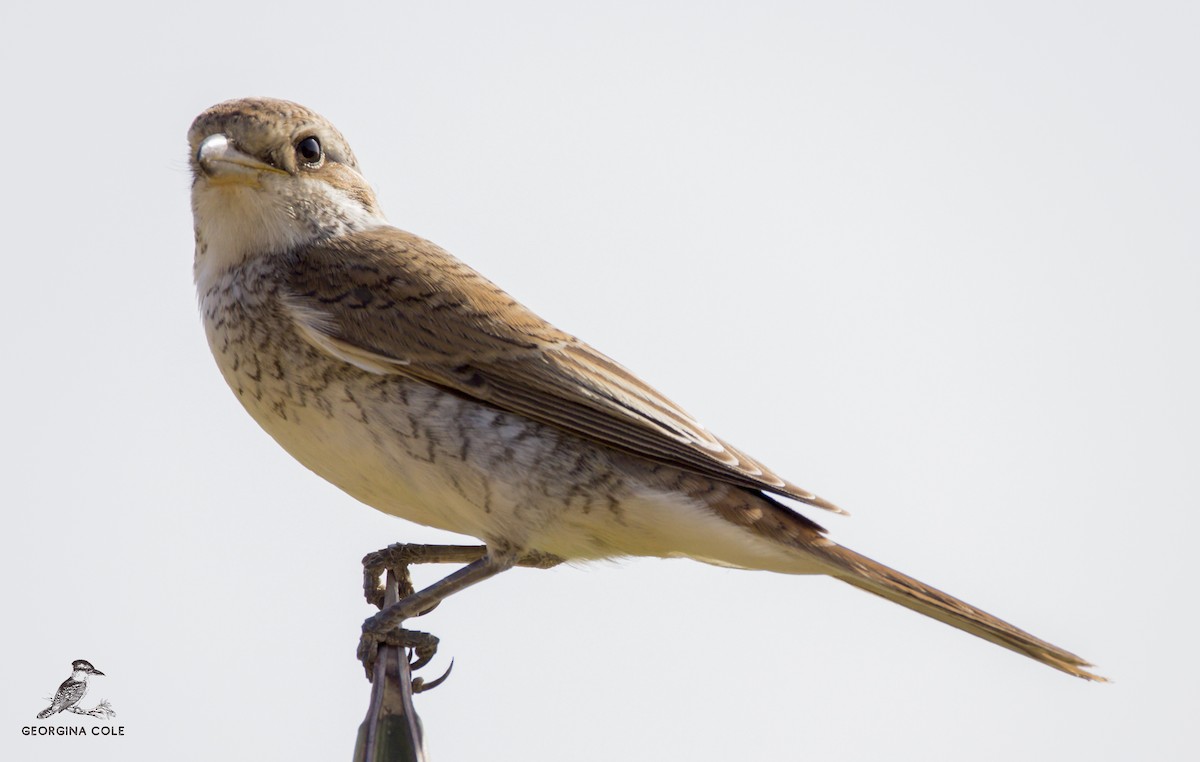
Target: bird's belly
[
  {"x": 394, "y": 450},
  {"x": 415, "y": 451}
]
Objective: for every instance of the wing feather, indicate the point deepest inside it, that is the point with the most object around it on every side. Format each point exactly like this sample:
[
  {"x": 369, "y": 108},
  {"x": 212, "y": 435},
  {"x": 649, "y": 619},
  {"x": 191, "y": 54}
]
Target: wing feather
[{"x": 389, "y": 302}]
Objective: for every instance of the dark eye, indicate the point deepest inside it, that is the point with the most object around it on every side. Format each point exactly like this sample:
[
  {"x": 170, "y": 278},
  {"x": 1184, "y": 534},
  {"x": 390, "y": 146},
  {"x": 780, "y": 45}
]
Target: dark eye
[{"x": 309, "y": 150}]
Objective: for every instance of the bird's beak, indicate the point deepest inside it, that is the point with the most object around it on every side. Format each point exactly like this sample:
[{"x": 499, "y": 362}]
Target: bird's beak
[
  {"x": 96, "y": 671},
  {"x": 223, "y": 164}
]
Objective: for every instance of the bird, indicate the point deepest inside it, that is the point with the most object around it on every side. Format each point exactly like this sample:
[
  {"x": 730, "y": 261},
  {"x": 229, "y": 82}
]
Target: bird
[
  {"x": 401, "y": 375},
  {"x": 72, "y": 690}
]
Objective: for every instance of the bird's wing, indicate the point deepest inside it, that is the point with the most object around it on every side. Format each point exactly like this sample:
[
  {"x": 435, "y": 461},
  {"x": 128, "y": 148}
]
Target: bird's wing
[
  {"x": 390, "y": 302},
  {"x": 68, "y": 694}
]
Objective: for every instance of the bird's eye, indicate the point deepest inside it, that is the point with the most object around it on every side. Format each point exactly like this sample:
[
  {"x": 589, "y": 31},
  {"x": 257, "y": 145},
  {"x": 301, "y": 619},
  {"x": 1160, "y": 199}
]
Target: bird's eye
[{"x": 309, "y": 150}]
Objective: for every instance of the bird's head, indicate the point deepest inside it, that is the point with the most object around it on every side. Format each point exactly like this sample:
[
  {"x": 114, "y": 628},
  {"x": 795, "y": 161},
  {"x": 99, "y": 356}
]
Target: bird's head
[
  {"x": 269, "y": 176},
  {"x": 84, "y": 666}
]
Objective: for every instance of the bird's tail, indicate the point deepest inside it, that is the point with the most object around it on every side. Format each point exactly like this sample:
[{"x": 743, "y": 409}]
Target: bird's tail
[
  {"x": 47, "y": 712},
  {"x": 876, "y": 578}
]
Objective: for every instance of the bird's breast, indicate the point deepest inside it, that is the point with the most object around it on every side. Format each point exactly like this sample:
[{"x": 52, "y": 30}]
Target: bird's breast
[{"x": 398, "y": 444}]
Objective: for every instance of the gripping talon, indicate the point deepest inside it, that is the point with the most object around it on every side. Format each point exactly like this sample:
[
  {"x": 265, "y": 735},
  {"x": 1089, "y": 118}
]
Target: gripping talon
[
  {"x": 423, "y": 645},
  {"x": 420, "y": 686}
]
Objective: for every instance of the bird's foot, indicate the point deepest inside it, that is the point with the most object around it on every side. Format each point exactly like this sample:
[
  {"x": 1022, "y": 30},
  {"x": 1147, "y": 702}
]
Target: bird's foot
[
  {"x": 398, "y": 557},
  {"x": 422, "y": 644},
  {"x": 399, "y": 602}
]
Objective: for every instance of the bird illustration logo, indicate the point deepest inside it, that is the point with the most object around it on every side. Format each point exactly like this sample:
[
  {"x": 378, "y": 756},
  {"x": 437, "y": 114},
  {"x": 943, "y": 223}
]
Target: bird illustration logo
[{"x": 72, "y": 691}]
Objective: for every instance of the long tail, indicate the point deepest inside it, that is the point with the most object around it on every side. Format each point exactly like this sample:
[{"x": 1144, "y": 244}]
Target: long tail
[
  {"x": 876, "y": 578},
  {"x": 47, "y": 712}
]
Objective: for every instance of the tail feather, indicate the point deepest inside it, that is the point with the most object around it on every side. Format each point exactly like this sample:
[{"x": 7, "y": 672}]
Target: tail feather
[
  {"x": 876, "y": 578},
  {"x": 47, "y": 712}
]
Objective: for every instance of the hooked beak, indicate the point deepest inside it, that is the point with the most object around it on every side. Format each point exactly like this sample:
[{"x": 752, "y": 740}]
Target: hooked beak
[{"x": 224, "y": 164}]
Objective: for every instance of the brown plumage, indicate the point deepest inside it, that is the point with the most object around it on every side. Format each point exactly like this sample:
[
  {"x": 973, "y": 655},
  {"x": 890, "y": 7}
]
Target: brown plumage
[{"x": 496, "y": 351}]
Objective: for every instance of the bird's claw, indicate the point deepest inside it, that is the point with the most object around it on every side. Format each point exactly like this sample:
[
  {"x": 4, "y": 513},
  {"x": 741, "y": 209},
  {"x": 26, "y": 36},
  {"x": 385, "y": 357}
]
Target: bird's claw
[
  {"x": 424, "y": 649},
  {"x": 420, "y": 686},
  {"x": 423, "y": 646}
]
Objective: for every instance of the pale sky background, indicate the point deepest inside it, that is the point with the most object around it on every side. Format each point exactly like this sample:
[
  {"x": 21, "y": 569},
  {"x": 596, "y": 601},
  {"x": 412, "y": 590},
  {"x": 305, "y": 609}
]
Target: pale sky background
[{"x": 938, "y": 262}]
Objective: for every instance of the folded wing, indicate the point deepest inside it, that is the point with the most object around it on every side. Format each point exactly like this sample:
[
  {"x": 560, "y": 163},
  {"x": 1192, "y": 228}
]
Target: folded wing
[{"x": 415, "y": 310}]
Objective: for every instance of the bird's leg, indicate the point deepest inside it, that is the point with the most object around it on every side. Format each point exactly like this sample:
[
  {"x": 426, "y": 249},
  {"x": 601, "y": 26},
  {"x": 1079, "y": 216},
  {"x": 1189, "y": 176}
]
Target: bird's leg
[
  {"x": 384, "y": 627},
  {"x": 398, "y": 557}
]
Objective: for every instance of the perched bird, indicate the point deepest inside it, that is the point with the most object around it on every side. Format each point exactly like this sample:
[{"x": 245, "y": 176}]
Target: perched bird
[
  {"x": 72, "y": 690},
  {"x": 401, "y": 375}
]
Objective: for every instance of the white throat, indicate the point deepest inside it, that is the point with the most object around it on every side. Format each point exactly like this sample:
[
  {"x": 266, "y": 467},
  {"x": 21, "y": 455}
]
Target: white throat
[{"x": 235, "y": 223}]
